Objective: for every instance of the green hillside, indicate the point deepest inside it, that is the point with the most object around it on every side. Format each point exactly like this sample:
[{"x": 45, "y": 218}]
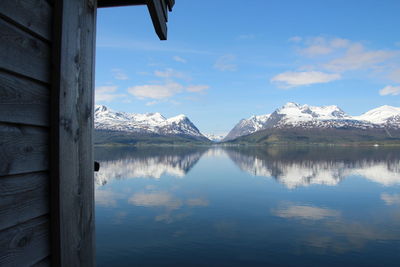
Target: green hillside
[
  {"x": 320, "y": 136},
  {"x": 104, "y": 137}
]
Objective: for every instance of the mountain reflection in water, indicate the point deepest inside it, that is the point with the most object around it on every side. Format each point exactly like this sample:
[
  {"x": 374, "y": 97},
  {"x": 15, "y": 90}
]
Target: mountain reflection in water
[
  {"x": 243, "y": 206},
  {"x": 306, "y": 166},
  {"x": 130, "y": 162},
  {"x": 291, "y": 167}
]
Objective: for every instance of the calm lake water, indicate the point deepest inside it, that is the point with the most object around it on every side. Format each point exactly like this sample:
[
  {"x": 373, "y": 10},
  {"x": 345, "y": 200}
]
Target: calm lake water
[{"x": 248, "y": 207}]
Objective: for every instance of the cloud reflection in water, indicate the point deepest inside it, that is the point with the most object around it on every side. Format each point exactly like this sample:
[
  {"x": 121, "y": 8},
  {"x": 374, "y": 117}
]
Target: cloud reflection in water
[{"x": 305, "y": 212}]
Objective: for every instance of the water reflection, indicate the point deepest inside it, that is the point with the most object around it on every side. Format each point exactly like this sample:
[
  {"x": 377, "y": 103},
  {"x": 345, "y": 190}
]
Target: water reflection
[
  {"x": 131, "y": 162},
  {"x": 307, "y": 166},
  {"x": 203, "y": 206},
  {"x": 391, "y": 199},
  {"x": 296, "y": 211},
  {"x": 291, "y": 167}
]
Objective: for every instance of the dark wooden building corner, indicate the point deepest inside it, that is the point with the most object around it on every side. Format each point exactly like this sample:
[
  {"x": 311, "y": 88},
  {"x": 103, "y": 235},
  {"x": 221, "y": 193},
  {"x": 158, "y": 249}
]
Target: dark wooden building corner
[{"x": 47, "y": 53}]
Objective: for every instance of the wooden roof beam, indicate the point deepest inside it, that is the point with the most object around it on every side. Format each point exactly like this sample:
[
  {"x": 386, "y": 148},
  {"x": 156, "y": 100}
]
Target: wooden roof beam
[{"x": 158, "y": 10}]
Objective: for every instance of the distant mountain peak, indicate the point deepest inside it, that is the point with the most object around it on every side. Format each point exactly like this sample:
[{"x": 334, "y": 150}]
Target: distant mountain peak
[
  {"x": 380, "y": 115},
  {"x": 178, "y": 118},
  {"x": 290, "y": 104},
  {"x": 148, "y": 123},
  {"x": 293, "y": 114},
  {"x": 215, "y": 137}
]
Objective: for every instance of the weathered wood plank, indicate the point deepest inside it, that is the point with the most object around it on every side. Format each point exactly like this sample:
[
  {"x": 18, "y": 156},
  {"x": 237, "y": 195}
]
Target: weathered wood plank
[
  {"x": 23, "y": 197},
  {"x": 158, "y": 11},
  {"x": 23, "y": 101},
  {"x": 26, "y": 243},
  {"x": 171, "y": 4},
  {"x": 164, "y": 7},
  {"x": 115, "y": 3},
  {"x": 33, "y": 15},
  {"x": 72, "y": 174},
  {"x": 43, "y": 263},
  {"x": 24, "y": 54},
  {"x": 23, "y": 149},
  {"x": 157, "y": 16}
]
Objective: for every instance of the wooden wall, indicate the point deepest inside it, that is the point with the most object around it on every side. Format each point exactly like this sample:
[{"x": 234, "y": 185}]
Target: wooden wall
[
  {"x": 25, "y": 81},
  {"x": 46, "y": 122},
  {"x": 72, "y": 164},
  {"x": 46, "y": 119}
]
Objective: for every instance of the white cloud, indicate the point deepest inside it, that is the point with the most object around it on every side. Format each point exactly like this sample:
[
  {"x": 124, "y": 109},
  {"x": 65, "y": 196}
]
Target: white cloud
[
  {"x": 295, "y": 39},
  {"x": 107, "y": 93},
  {"x": 390, "y": 90},
  {"x": 293, "y": 79},
  {"x": 179, "y": 59},
  {"x": 339, "y": 43},
  {"x": 316, "y": 50},
  {"x": 169, "y": 217},
  {"x": 106, "y": 198},
  {"x": 155, "y": 199},
  {"x": 152, "y": 103},
  {"x": 391, "y": 199},
  {"x": 305, "y": 212},
  {"x": 318, "y": 46},
  {"x": 119, "y": 74},
  {"x": 226, "y": 63},
  {"x": 170, "y": 73},
  {"x": 395, "y": 75},
  {"x": 356, "y": 57},
  {"x": 346, "y": 55},
  {"x": 156, "y": 91},
  {"x": 197, "y": 88}
]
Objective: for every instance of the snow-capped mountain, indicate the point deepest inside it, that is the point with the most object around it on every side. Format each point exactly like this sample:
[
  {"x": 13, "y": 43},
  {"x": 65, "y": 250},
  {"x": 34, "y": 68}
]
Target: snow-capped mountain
[
  {"x": 149, "y": 123},
  {"x": 245, "y": 127},
  {"x": 295, "y": 115},
  {"x": 381, "y": 115},
  {"x": 214, "y": 137}
]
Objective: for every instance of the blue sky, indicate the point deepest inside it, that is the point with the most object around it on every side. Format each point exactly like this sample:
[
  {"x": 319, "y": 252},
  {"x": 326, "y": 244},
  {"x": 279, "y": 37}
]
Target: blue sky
[{"x": 228, "y": 59}]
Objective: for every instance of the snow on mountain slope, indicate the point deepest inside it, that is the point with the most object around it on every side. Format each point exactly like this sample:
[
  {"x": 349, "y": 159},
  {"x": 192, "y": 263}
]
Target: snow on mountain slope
[
  {"x": 305, "y": 116},
  {"x": 380, "y": 115},
  {"x": 329, "y": 112},
  {"x": 106, "y": 119},
  {"x": 214, "y": 137},
  {"x": 294, "y": 114},
  {"x": 249, "y": 126}
]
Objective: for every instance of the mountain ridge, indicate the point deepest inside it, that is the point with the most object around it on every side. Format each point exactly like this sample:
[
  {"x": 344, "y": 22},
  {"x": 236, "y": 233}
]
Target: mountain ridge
[
  {"x": 293, "y": 115},
  {"x": 290, "y": 123},
  {"x": 120, "y": 127}
]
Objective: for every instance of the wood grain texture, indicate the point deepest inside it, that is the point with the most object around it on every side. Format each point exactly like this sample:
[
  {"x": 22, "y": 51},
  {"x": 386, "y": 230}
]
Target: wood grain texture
[
  {"x": 72, "y": 170},
  {"x": 23, "y": 149},
  {"x": 171, "y": 4},
  {"x": 158, "y": 11},
  {"x": 25, "y": 244},
  {"x": 23, "y": 197},
  {"x": 46, "y": 262},
  {"x": 158, "y": 17},
  {"x": 32, "y": 15},
  {"x": 23, "y": 101},
  {"x": 22, "y": 53},
  {"x": 115, "y": 3}
]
